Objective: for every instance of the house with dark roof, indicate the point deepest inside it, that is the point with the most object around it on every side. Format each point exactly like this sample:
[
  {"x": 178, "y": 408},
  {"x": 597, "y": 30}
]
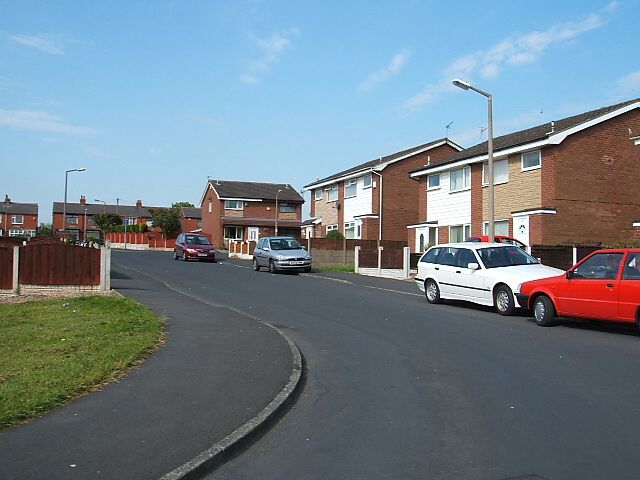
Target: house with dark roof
[
  {"x": 573, "y": 180},
  {"x": 374, "y": 200},
  {"x": 80, "y": 216},
  {"x": 18, "y": 219},
  {"x": 246, "y": 211},
  {"x": 190, "y": 219}
]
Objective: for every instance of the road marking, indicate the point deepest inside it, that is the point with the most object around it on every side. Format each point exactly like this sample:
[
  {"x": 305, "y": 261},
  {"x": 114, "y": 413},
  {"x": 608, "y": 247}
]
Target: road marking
[{"x": 340, "y": 280}]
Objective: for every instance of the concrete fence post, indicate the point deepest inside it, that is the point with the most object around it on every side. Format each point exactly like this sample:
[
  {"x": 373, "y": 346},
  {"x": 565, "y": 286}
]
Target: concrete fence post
[
  {"x": 356, "y": 259},
  {"x": 16, "y": 270},
  {"x": 380, "y": 248},
  {"x": 575, "y": 255},
  {"x": 406, "y": 260}
]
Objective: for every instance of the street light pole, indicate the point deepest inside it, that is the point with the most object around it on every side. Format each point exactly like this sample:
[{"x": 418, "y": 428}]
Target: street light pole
[
  {"x": 491, "y": 203},
  {"x": 85, "y": 225},
  {"x": 104, "y": 208},
  {"x": 278, "y": 193},
  {"x": 64, "y": 206}
]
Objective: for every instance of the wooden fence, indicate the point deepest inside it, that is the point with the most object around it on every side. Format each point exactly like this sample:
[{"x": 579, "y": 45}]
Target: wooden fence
[{"x": 6, "y": 268}]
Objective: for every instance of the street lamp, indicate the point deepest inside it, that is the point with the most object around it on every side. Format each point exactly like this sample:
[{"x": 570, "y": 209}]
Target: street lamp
[
  {"x": 85, "y": 224},
  {"x": 278, "y": 193},
  {"x": 467, "y": 86},
  {"x": 64, "y": 207},
  {"x": 104, "y": 208}
]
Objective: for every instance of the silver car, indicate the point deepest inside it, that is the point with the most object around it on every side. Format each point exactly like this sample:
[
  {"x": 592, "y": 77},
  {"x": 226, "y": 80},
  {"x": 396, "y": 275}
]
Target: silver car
[{"x": 281, "y": 254}]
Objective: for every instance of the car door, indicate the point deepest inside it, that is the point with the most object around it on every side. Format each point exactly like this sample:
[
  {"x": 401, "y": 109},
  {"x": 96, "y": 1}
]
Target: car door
[
  {"x": 468, "y": 282},
  {"x": 444, "y": 272},
  {"x": 179, "y": 244},
  {"x": 592, "y": 287},
  {"x": 259, "y": 253},
  {"x": 630, "y": 288}
]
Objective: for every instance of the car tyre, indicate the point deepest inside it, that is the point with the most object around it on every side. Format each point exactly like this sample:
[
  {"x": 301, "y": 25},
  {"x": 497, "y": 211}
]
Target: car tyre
[
  {"x": 543, "y": 311},
  {"x": 184, "y": 256},
  {"x": 272, "y": 267},
  {"x": 175, "y": 255},
  {"x": 503, "y": 300},
  {"x": 256, "y": 267},
  {"x": 432, "y": 291}
]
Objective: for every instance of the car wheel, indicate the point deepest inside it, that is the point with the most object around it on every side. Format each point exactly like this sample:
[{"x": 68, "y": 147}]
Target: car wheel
[
  {"x": 431, "y": 291},
  {"x": 256, "y": 267},
  {"x": 544, "y": 311},
  {"x": 175, "y": 255},
  {"x": 503, "y": 300},
  {"x": 272, "y": 267},
  {"x": 184, "y": 256}
]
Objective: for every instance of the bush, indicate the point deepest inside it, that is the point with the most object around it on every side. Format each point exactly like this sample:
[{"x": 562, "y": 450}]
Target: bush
[
  {"x": 623, "y": 244},
  {"x": 335, "y": 234}
]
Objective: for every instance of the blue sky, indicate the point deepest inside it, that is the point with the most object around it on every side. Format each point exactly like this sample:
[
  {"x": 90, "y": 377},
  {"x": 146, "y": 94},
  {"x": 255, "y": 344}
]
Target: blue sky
[{"x": 152, "y": 97}]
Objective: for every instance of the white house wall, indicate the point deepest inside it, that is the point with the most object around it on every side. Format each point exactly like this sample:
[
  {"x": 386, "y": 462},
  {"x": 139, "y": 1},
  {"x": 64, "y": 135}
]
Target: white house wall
[
  {"x": 448, "y": 208},
  {"x": 360, "y": 204}
]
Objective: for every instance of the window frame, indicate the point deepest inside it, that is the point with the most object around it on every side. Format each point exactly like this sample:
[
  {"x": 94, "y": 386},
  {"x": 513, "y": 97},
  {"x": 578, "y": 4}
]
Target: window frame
[
  {"x": 353, "y": 183},
  {"x": 364, "y": 181},
  {"x": 466, "y": 179},
  {"x": 290, "y": 208},
  {"x": 433, "y": 187},
  {"x": 496, "y": 181},
  {"x": 466, "y": 232},
  {"x": 332, "y": 227},
  {"x": 14, "y": 220},
  {"x": 227, "y": 204},
  {"x": 534, "y": 167},
  {"x": 331, "y": 189},
  {"x": 316, "y": 196},
  {"x": 485, "y": 227}
]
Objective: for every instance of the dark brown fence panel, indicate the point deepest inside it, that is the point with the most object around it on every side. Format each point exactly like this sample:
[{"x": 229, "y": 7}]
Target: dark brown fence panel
[
  {"x": 59, "y": 264},
  {"x": 554, "y": 256},
  {"x": 392, "y": 258},
  {"x": 350, "y": 244},
  {"x": 368, "y": 258},
  {"x": 413, "y": 260},
  {"x": 6, "y": 268}
]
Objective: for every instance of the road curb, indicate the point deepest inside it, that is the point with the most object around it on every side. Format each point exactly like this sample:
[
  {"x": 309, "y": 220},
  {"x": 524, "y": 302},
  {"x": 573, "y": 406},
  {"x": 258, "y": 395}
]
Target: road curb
[{"x": 220, "y": 451}]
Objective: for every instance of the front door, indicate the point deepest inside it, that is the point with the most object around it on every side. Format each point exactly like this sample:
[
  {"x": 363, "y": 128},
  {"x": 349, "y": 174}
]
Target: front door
[
  {"x": 253, "y": 234},
  {"x": 421, "y": 239},
  {"x": 521, "y": 229}
]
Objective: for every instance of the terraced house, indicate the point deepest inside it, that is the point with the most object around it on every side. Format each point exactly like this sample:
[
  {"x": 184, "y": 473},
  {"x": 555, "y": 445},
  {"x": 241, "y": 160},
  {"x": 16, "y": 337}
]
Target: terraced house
[
  {"x": 573, "y": 180},
  {"x": 374, "y": 200},
  {"x": 18, "y": 219}
]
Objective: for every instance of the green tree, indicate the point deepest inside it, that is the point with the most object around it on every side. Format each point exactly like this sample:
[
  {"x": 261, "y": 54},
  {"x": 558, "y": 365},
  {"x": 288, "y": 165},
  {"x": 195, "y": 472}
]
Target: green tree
[
  {"x": 45, "y": 230},
  {"x": 179, "y": 205},
  {"x": 168, "y": 219},
  {"x": 107, "y": 221}
]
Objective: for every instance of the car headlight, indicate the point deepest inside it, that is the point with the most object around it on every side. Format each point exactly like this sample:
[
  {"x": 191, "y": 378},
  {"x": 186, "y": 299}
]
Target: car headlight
[{"x": 280, "y": 258}]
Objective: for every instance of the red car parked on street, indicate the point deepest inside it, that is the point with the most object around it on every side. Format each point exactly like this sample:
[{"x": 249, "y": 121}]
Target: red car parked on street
[{"x": 603, "y": 286}]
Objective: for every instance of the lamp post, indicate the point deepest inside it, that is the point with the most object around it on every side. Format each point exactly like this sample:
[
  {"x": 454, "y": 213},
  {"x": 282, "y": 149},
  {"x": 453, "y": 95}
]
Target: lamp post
[
  {"x": 85, "y": 225},
  {"x": 64, "y": 207},
  {"x": 467, "y": 86},
  {"x": 278, "y": 193},
  {"x": 104, "y": 208}
]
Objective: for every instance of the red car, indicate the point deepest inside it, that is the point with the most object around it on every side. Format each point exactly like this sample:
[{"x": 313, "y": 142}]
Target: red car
[
  {"x": 194, "y": 246},
  {"x": 498, "y": 239},
  {"x": 603, "y": 286}
]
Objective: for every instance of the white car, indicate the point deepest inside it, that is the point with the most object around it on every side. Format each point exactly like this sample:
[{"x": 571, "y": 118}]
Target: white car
[{"x": 484, "y": 273}]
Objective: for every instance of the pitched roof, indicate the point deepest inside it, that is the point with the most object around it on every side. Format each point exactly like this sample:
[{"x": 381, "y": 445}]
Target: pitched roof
[
  {"x": 99, "y": 208},
  {"x": 19, "y": 208},
  {"x": 534, "y": 134},
  {"x": 191, "y": 212},
  {"x": 258, "y": 191},
  {"x": 384, "y": 160}
]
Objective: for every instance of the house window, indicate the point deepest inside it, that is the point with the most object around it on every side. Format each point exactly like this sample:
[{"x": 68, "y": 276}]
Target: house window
[
  {"x": 457, "y": 233},
  {"x": 531, "y": 160},
  {"x": 331, "y": 227},
  {"x": 128, "y": 221},
  {"x": 500, "y": 227},
  {"x": 210, "y": 207},
  {"x": 500, "y": 172},
  {"x": 433, "y": 181},
  {"x": 71, "y": 220},
  {"x": 233, "y": 204},
  {"x": 460, "y": 179},
  {"x": 366, "y": 181},
  {"x": 16, "y": 232},
  {"x": 358, "y": 230},
  {"x": 30, "y": 233},
  {"x": 350, "y": 188},
  {"x": 318, "y": 193},
  {"x": 233, "y": 233},
  {"x": 286, "y": 208},
  {"x": 349, "y": 230},
  {"x": 17, "y": 219},
  {"x": 332, "y": 196}
]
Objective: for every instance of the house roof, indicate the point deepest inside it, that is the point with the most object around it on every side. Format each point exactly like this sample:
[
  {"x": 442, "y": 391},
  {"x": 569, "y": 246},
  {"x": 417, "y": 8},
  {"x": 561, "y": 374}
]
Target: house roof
[
  {"x": 99, "y": 208},
  {"x": 380, "y": 163},
  {"x": 535, "y": 134},
  {"x": 191, "y": 212},
  {"x": 19, "y": 208},
  {"x": 255, "y": 191}
]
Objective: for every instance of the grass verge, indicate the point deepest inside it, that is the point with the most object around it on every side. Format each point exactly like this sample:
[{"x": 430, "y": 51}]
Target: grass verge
[
  {"x": 55, "y": 350},
  {"x": 348, "y": 267}
]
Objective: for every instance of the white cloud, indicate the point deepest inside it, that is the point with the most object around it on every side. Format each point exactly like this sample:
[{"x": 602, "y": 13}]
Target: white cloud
[
  {"x": 40, "y": 121},
  {"x": 51, "y": 44},
  {"x": 511, "y": 52},
  {"x": 397, "y": 63},
  {"x": 629, "y": 85},
  {"x": 273, "y": 48}
]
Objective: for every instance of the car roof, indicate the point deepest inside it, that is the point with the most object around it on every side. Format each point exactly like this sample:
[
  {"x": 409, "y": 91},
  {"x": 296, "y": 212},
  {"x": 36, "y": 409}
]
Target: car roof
[{"x": 474, "y": 245}]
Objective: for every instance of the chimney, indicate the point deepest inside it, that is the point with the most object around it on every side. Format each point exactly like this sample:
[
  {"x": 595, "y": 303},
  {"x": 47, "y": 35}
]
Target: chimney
[
  {"x": 138, "y": 203},
  {"x": 7, "y": 200},
  {"x": 83, "y": 200}
]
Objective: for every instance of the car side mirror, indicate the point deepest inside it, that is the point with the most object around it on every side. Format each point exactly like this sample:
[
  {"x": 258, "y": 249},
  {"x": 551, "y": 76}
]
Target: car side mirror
[
  {"x": 569, "y": 275},
  {"x": 473, "y": 266}
]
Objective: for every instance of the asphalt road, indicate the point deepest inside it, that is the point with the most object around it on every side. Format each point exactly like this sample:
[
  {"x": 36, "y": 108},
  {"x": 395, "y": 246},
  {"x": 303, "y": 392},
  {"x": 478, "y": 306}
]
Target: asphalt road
[{"x": 397, "y": 388}]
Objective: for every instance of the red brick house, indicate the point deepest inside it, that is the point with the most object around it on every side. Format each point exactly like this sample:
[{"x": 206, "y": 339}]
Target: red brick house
[
  {"x": 190, "y": 219},
  {"x": 573, "y": 180},
  {"x": 18, "y": 219},
  {"x": 80, "y": 216},
  {"x": 374, "y": 200},
  {"x": 247, "y": 211}
]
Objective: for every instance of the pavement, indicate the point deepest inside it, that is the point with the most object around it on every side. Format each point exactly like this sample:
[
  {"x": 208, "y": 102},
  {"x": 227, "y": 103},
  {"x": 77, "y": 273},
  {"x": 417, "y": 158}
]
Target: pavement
[{"x": 218, "y": 381}]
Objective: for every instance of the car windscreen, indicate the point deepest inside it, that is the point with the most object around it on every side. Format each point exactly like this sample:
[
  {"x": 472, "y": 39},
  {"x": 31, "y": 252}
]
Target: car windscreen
[
  {"x": 197, "y": 240},
  {"x": 284, "y": 244},
  {"x": 495, "y": 257}
]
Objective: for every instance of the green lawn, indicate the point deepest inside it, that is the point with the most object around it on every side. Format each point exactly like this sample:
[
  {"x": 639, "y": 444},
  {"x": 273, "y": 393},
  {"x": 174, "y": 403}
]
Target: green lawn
[
  {"x": 50, "y": 353},
  {"x": 338, "y": 268}
]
